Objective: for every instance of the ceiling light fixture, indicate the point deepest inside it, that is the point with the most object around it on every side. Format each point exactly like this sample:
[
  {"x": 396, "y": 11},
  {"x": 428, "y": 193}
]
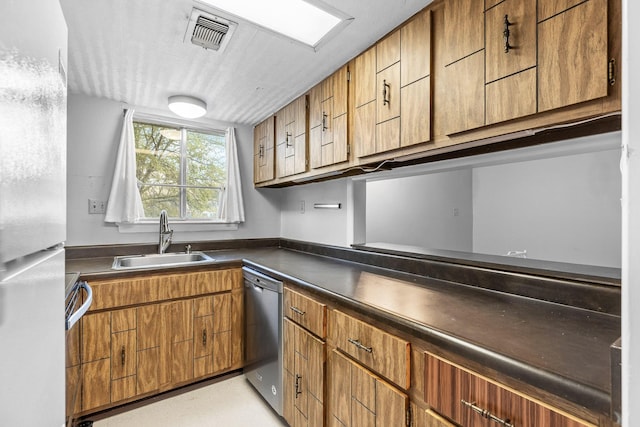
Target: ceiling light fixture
[
  {"x": 187, "y": 106},
  {"x": 306, "y": 21}
]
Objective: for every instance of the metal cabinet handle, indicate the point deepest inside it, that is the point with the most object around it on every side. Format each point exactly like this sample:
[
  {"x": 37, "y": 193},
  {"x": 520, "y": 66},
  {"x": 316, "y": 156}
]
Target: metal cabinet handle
[
  {"x": 204, "y": 337},
  {"x": 486, "y": 414},
  {"x": 71, "y": 319},
  {"x": 122, "y": 355},
  {"x": 506, "y": 33},
  {"x": 297, "y": 310},
  {"x": 324, "y": 121},
  {"x": 289, "y": 143},
  {"x": 386, "y": 93},
  {"x": 298, "y": 392},
  {"x": 360, "y": 346},
  {"x": 261, "y": 151}
]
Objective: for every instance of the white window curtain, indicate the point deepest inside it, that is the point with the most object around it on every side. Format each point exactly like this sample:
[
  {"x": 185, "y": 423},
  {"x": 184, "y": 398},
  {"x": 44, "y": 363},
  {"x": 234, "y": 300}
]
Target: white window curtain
[
  {"x": 125, "y": 204},
  {"x": 231, "y": 204}
]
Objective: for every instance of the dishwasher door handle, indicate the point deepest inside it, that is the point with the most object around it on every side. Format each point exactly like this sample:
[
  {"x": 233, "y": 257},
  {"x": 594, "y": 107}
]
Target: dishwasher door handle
[{"x": 257, "y": 288}]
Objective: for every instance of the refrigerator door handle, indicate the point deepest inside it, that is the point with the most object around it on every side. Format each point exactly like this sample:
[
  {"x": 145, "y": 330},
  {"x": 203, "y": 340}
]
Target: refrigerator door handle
[{"x": 72, "y": 319}]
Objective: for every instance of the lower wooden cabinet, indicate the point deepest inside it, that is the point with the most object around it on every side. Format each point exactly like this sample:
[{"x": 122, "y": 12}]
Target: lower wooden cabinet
[
  {"x": 138, "y": 351},
  {"x": 303, "y": 382},
  {"x": 472, "y": 400},
  {"x": 359, "y": 398}
]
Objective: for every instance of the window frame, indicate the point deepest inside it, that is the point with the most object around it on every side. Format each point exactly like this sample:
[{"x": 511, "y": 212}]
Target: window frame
[{"x": 149, "y": 224}]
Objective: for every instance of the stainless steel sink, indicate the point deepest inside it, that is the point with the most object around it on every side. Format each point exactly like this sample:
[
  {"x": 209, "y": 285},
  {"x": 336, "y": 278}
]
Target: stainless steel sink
[{"x": 173, "y": 259}]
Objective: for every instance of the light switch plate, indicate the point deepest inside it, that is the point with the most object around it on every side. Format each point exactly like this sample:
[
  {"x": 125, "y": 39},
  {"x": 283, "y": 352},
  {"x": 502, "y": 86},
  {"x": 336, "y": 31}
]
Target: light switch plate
[{"x": 97, "y": 206}]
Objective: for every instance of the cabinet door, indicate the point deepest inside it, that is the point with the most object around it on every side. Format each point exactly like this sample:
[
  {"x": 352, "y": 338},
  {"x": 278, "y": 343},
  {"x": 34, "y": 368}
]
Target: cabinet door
[
  {"x": 388, "y": 100},
  {"x": 303, "y": 364},
  {"x": 96, "y": 360},
  {"x": 180, "y": 326},
  {"x": 388, "y": 51},
  {"x": 572, "y": 56},
  {"x": 521, "y": 55},
  {"x": 365, "y": 77},
  {"x": 464, "y": 103},
  {"x": 264, "y": 151},
  {"x": 448, "y": 387},
  {"x": 364, "y": 133},
  {"x": 416, "y": 113},
  {"x": 357, "y": 397},
  {"x": 415, "y": 49},
  {"x": 464, "y": 29}
]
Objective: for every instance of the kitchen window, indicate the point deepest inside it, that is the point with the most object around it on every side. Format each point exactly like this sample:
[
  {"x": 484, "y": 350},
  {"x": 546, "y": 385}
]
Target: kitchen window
[{"x": 181, "y": 170}]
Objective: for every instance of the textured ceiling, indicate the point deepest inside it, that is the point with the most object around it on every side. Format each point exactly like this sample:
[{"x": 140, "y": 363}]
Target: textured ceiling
[{"x": 133, "y": 51}]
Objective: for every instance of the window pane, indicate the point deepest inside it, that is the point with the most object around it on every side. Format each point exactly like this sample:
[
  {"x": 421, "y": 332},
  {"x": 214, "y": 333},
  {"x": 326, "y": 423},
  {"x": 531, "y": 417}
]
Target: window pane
[
  {"x": 156, "y": 198},
  {"x": 206, "y": 159},
  {"x": 157, "y": 154},
  {"x": 202, "y": 203}
]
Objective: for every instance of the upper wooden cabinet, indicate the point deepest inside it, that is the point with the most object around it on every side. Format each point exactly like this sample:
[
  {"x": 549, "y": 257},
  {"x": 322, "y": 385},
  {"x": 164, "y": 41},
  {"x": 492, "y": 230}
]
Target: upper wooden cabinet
[
  {"x": 264, "y": 151},
  {"x": 328, "y": 138},
  {"x": 397, "y": 113},
  {"x": 535, "y": 59},
  {"x": 572, "y": 54},
  {"x": 291, "y": 138},
  {"x": 455, "y": 76},
  {"x": 464, "y": 29}
]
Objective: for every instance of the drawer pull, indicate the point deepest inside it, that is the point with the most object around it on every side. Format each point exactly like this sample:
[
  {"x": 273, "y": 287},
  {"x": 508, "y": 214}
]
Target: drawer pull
[
  {"x": 123, "y": 355},
  {"x": 386, "y": 93},
  {"x": 204, "y": 337},
  {"x": 298, "y": 378},
  {"x": 360, "y": 346},
  {"x": 486, "y": 414},
  {"x": 297, "y": 310},
  {"x": 506, "y": 34}
]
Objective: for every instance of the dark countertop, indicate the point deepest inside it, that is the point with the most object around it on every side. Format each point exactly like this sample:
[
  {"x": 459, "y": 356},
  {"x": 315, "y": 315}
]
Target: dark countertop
[{"x": 553, "y": 347}]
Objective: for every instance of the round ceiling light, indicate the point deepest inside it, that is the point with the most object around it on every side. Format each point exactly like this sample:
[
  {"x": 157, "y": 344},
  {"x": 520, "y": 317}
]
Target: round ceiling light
[{"x": 187, "y": 106}]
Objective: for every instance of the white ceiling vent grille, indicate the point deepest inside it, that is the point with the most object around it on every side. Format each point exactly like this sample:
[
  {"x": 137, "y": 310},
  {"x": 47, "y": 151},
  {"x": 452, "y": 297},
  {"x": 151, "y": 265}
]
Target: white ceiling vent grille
[{"x": 209, "y": 31}]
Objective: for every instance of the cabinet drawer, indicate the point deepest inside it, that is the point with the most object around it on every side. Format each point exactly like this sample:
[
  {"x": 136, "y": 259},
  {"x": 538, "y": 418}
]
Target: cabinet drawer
[
  {"x": 305, "y": 311},
  {"x": 462, "y": 396},
  {"x": 378, "y": 350}
]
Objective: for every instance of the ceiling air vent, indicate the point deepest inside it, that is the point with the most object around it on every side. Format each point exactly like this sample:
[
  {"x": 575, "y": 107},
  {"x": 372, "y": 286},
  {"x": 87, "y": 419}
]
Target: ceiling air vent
[{"x": 209, "y": 31}]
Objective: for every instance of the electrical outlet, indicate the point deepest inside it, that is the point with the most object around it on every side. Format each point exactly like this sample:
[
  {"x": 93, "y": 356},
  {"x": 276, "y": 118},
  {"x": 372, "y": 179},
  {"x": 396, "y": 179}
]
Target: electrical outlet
[
  {"x": 456, "y": 212},
  {"x": 97, "y": 206}
]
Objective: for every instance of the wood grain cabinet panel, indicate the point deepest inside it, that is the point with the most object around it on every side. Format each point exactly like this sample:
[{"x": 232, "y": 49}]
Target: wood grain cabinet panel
[
  {"x": 303, "y": 365},
  {"x": 264, "y": 151},
  {"x": 415, "y": 124},
  {"x": 357, "y": 397},
  {"x": 291, "y": 138},
  {"x": 521, "y": 54},
  {"x": 415, "y": 48},
  {"x": 549, "y": 8},
  {"x": 328, "y": 137},
  {"x": 464, "y": 29},
  {"x": 572, "y": 56},
  {"x": 307, "y": 312},
  {"x": 137, "y": 351},
  {"x": 388, "y": 99},
  {"x": 449, "y": 386},
  {"x": 376, "y": 349},
  {"x": 464, "y": 103},
  {"x": 388, "y": 51},
  {"x": 511, "y": 97}
]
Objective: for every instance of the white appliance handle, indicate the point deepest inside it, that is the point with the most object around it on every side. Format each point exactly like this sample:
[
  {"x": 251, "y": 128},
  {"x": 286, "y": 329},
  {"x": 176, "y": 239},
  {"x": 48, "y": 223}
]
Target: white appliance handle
[{"x": 83, "y": 308}]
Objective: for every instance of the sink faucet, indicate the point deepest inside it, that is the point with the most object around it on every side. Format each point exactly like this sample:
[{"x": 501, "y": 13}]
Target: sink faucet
[{"x": 165, "y": 233}]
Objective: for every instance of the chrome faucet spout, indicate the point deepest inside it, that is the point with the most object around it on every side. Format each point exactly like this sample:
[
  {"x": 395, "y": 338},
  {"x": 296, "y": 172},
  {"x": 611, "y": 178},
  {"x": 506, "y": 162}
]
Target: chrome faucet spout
[{"x": 165, "y": 233}]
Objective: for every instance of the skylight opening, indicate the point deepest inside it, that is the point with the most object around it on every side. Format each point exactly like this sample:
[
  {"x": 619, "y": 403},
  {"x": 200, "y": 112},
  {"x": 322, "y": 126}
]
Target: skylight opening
[{"x": 297, "y": 19}]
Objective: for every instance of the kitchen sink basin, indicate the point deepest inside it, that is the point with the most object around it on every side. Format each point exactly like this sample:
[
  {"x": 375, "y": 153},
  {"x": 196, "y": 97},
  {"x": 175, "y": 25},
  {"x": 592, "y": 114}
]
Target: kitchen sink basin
[{"x": 173, "y": 259}]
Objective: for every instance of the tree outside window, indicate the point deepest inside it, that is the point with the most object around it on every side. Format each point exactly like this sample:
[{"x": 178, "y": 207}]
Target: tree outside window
[{"x": 180, "y": 170}]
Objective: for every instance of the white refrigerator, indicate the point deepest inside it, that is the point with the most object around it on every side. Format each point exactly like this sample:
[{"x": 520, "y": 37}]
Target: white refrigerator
[{"x": 33, "y": 98}]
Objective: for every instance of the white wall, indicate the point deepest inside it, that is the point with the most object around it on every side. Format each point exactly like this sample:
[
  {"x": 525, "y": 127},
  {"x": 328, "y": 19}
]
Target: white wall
[
  {"x": 94, "y": 126},
  {"x": 419, "y": 210},
  {"x": 564, "y": 209},
  {"x": 327, "y": 226}
]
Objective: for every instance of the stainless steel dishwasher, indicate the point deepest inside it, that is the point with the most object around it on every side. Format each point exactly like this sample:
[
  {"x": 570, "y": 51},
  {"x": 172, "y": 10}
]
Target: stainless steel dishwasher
[{"x": 263, "y": 328}]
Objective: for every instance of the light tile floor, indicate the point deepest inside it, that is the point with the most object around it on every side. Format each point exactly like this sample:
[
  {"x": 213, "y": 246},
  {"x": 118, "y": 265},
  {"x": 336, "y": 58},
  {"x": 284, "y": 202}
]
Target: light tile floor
[{"x": 229, "y": 403}]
